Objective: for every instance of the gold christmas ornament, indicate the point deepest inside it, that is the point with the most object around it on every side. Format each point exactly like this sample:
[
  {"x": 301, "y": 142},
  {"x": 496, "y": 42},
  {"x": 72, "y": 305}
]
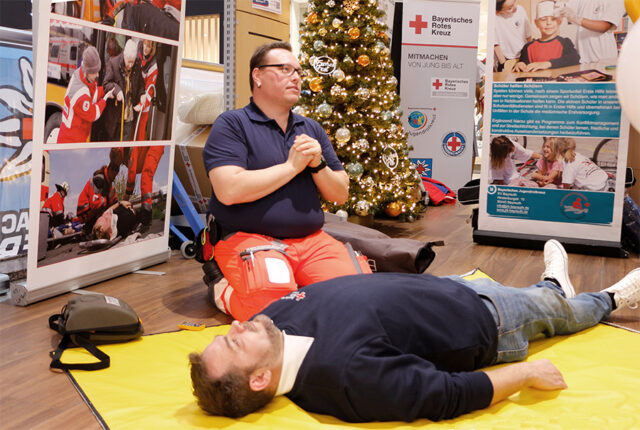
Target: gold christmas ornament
[
  {"x": 364, "y": 60},
  {"x": 354, "y": 33},
  {"x": 322, "y": 32},
  {"x": 336, "y": 23},
  {"x": 316, "y": 84},
  {"x": 383, "y": 35},
  {"x": 312, "y": 18},
  {"x": 393, "y": 209}
]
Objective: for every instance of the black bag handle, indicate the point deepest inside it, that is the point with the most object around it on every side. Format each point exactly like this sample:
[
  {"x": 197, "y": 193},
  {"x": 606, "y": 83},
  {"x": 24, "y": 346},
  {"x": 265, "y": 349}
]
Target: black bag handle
[{"x": 82, "y": 341}]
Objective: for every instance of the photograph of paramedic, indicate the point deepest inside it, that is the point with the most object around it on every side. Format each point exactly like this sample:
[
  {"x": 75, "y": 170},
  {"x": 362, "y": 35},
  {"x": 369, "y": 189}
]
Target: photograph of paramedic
[
  {"x": 595, "y": 22},
  {"x": 413, "y": 349},
  {"x": 268, "y": 168},
  {"x": 554, "y": 162},
  {"x": 104, "y": 86},
  {"x": 96, "y": 183},
  {"x": 550, "y": 51},
  {"x": 156, "y": 17}
]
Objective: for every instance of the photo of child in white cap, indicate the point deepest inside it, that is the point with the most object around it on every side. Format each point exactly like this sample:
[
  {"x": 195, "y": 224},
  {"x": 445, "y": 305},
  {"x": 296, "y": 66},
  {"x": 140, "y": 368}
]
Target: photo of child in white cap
[{"x": 550, "y": 50}]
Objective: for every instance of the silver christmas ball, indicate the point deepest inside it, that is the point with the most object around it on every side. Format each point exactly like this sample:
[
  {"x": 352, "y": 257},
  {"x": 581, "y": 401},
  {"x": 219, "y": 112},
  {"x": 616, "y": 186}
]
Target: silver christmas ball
[
  {"x": 324, "y": 110},
  {"x": 342, "y": 213},
  {"x": 362, "y": 208},
  {"x": 354, "y": 170},
  {"x": 363, "y": 93},
  {"x": 362, "y": 144},
  {"x": 300, "y": 110},
  {"x": 318, "y": 45},
  {"x": 342, "y": 135},
  {"x": 338, "y": 75}
]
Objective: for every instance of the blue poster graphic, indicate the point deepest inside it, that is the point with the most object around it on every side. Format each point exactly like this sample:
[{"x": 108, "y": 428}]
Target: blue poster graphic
[
  {"x": 568, "y": 206},
  {"x": 16, "y": 119}
]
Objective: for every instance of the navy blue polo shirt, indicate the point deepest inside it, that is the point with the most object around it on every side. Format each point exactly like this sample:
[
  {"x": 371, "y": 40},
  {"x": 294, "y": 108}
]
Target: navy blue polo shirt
[{"x": 249, "y": 139}]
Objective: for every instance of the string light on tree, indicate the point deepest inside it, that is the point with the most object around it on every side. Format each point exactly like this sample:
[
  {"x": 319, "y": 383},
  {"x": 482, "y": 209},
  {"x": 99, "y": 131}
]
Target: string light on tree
[{"x": 349, "y": 88}]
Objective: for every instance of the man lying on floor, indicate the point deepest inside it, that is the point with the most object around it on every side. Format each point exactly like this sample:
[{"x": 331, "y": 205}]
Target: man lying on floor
[{"x": 391, "y": 346}]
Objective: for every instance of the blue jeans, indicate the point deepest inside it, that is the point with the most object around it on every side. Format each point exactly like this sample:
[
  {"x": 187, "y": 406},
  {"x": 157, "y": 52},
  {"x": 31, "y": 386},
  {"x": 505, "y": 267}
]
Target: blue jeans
[{"x": 524, "y": 313}]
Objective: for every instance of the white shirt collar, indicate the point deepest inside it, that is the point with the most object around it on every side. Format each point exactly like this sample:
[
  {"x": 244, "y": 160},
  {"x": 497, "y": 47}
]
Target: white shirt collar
[{"x": 295, "y": 349}]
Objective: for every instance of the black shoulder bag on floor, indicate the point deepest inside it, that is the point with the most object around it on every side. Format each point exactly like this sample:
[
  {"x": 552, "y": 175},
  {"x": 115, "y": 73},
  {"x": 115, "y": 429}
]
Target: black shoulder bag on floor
[{"x": 90, "y": 319}]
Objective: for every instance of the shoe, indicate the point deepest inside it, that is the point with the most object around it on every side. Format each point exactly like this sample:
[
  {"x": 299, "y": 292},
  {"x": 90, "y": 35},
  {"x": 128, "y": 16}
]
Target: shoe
[
  {"x": 556, "y": 265},
  {"x": 626, "y": 292}
]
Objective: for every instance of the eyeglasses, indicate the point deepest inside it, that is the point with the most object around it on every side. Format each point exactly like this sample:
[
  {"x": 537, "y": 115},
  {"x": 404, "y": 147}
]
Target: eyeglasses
[{"x": 286, "y": 69}]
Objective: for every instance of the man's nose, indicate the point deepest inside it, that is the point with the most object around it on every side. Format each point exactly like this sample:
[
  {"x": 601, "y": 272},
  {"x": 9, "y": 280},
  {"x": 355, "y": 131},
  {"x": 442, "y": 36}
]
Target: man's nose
[{"x": 237, "y": 327}]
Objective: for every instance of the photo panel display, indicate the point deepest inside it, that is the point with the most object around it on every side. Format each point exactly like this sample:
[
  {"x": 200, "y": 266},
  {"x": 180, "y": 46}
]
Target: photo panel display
[
  {"x": 552, "y": 41},
  {"x": 107, "y": 198},
  {"x": 159, "y": 18},
  {"x": 556, "y": 138},
  {"x": 105, "y": 86},
  {"x": 103, "y": 109}
]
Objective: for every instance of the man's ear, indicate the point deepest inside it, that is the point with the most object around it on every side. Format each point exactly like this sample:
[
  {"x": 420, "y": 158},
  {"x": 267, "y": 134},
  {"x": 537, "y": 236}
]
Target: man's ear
[
  {"x": 254, "y": 76},
  {"x": 260, "y": 379}
]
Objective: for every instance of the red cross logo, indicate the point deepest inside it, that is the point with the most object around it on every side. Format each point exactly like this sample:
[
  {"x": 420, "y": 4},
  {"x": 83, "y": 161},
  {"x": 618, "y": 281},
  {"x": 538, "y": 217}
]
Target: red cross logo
[
  {"x": 418, "y": 24},
  {"x": 454, "y": 143},
  {"x": 437, "y": 84}
]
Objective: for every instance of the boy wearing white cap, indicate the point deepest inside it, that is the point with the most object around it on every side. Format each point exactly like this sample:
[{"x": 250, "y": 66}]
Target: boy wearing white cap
[
  {"x": 551, "y": 50},
  {"x": 596, "y": 20}
]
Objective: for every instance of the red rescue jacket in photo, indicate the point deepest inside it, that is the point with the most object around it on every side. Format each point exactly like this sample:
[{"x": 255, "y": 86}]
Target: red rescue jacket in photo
[{"x": 83, "y": 104}]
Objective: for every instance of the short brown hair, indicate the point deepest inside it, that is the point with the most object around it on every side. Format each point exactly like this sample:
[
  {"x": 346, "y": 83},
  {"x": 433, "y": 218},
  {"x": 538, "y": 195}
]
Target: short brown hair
[
  {"x": 230, "y": 395},
  {"x": 261, "y": 52}
]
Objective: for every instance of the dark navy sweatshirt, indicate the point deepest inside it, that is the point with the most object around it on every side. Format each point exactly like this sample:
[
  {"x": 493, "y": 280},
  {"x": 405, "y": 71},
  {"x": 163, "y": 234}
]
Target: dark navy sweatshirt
[{"x": 390, "y": 346}]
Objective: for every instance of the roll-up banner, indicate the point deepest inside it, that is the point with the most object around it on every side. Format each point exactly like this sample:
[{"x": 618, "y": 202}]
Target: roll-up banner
[
  {"x": 555, "y": 140},
  {"x": 437, "y": 86},
  {"x": 16, "y": 119},
  {"x": 105, "y": 95}
]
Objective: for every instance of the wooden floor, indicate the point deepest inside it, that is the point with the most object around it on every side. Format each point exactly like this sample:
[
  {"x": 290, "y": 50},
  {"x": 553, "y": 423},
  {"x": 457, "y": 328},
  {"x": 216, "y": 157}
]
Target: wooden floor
[{"x": 33, "y": 397}]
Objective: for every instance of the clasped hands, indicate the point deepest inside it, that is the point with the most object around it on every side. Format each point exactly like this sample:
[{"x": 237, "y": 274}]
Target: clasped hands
[{"x": 305, "y": 151}]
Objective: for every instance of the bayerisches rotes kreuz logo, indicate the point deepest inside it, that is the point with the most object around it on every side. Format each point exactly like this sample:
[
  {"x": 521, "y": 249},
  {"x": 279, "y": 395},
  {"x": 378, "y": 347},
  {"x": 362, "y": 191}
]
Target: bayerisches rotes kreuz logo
[{"x": 454, "y": 143}]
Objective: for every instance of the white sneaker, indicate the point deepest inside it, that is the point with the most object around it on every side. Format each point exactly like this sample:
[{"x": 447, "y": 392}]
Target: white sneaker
[
  {"x": 556, "y": 265},
  {"x": 626, "y": 292}
]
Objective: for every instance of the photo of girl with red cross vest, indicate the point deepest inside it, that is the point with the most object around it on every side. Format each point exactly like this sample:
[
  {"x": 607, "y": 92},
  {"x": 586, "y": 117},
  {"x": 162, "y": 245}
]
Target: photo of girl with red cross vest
[
  {"x": 149, "y": 66},
  {"x": 84, "y": 100}
]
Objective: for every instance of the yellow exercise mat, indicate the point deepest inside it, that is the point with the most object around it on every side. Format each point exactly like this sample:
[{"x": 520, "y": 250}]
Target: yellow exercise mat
[{"x": 148, "y": 386}]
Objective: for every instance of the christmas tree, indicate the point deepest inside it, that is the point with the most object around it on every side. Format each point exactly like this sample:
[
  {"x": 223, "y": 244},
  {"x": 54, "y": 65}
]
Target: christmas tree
[{"x": 348, "y": 86}]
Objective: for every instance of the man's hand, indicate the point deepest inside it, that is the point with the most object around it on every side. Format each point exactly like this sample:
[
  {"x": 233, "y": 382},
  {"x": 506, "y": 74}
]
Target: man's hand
[
  {"x": 539, "y": 374},
  {"x": 137, "y": 108},
  {"x": 119, "y": 96},
  {"x": 308, "y": 147},
  {"x": 543, "y": 375},
  {"x": 571, "y": 15}
]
